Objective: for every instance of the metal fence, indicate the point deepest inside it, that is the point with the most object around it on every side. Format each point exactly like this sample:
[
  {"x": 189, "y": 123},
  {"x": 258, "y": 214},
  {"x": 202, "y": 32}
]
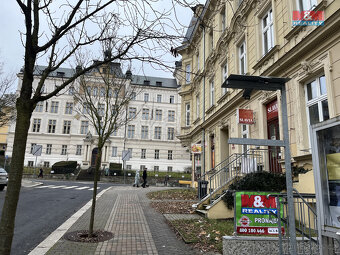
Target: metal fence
[{"x": 305, "y": 223}]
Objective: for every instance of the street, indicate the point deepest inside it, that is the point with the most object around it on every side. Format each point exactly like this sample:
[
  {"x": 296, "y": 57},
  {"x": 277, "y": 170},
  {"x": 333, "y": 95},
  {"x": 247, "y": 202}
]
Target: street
[{"x": 44, "y": 208}]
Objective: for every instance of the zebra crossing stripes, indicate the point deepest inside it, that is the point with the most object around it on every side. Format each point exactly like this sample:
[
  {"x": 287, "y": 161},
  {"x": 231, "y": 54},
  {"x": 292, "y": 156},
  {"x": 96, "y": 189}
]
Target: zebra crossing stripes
[{"x": 65, "y": 187}]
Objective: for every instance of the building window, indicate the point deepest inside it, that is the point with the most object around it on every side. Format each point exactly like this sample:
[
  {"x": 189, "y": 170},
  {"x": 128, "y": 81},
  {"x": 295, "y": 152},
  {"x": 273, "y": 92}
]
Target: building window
[
  {"x": 212, "y": 93},
  {"x": 54, "y": 107},
  {"x": 146, "y": 97},
  {"x": 131, "y": 131},
  {"x": 46, "y": 164},
  {"x": 267, "y": 32},
  {"x": 187, "y": 114},
  {"x": 156, "y": 169},
  {"x": 211, "y": 40},
  {"x": 224, "y": 76},
  {"x": 71, "y": 91},
  {"x": 159, "y": 98},
  {"x": 171, "y": 116},
  {"x": 63, "y": 149},
  {"x": 69, "y": 108},
  {"x": 132, "y": 112},
  {"x": 30, "y": 163},
  {"x": 67, "y": 127},
  {"x": 143, "y": 154},
  {"x": 88, "y": 89},
  {"x": 317, "y": 103},
  {"x": 156, "y": 154},
  {"x": 169, "y": 154},
  {"x": 172, "y": 99},
  {"x": 36, "y": 125},
  {"x": 114, "y": 151},
  {"x": 187, "y": 73},
  {"x": 158, "y": 114},
  {"x": 223, "y": 20},
  {"x": 101, "y": 109},
  {"x": 32, "y": 147},
  {"x": 242, "y": 54},
  {"x": 51, "y": 126},
  {"x": 197, "y": 106},
  {"x": 145, "y": 132},
  {"x": 307, "y": 5},
  {"x": 171, "y": 133},
  {"x": 169, "y": 168},
  {"x": 133, "y": 95},
  {"x": 158, "y": 133},
  {"x": 48, "y": 149},
  {"x": 78, "y": 149},
  {"x": 145, "y": 114},
  {"x": 102, "y": 92},
  {"x": 86, "y": 108},
  {"x": 141, "y": 167},
  {"x": 84, "y": 127},
  {"x": 128, "y": 167},
  {"x": 95, "y": 91},
  {"x": 39, "y": 107},
  {"x": 130, "y": 152}
]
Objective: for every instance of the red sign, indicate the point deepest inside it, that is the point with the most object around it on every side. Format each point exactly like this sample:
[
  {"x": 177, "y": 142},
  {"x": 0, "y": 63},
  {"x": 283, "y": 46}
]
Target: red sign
[
  {"x": 272, "y": 110},
  {"x": 245, "y": 116},
  {"x": 259, "y": 230},
  {"x": 258, "y": 201}
]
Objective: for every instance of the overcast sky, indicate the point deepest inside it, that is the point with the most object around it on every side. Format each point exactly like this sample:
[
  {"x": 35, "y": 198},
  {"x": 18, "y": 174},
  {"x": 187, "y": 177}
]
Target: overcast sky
[{"x": 12, "y": 51}]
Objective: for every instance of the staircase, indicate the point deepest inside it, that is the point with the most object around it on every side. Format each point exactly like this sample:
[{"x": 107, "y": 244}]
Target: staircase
[{"x": 220, "y": 177}]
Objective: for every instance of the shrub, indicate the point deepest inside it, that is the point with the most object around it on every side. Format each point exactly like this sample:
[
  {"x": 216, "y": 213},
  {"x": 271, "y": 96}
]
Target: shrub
[
  {"x": 64, "y": 167},
  {"x": 260, "y": 181}
]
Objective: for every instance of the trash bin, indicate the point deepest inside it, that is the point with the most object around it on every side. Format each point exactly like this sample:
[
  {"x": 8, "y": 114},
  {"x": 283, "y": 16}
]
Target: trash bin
[{"x": 202, "y": 188}]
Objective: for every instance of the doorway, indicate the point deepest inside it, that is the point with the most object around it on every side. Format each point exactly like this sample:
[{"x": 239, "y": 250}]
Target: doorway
[
  {"x": 273, "y": 130},
  {"x": 94, "y": 157}
]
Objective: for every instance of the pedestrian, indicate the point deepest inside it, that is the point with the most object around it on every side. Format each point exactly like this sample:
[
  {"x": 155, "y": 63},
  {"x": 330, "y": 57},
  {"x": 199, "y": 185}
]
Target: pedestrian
[
  {"x": 41, "y": 173},
  {"x": 166, "y": 179},
  {"x": 145, "y": 175},
  {"x": 136, "y": 184}
]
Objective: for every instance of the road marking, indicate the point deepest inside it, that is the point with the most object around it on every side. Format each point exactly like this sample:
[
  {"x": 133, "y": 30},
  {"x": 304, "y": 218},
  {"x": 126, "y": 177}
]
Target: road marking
[
  {"x": 47, "y": 244},
  {"x": 47, "y": 186},
  {"x": 70, "y": 187},
  {"x": 83, "y": 188},
  {"x": 58, "y": 187},
  {"x": 97, "y": 188}
]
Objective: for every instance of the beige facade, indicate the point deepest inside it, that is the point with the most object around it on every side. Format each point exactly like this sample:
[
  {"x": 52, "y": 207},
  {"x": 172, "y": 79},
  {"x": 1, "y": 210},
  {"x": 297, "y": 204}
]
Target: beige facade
[{"x": 255, "y": 37}]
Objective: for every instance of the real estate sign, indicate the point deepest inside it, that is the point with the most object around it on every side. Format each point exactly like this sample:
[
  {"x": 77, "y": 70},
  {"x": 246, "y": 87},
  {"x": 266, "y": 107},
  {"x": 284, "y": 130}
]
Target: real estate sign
[{"x": 254, "y": 213}]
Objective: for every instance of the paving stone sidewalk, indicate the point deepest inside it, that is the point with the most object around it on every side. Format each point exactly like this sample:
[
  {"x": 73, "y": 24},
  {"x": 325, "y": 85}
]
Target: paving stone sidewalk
[{"x": 138, "y": 229}]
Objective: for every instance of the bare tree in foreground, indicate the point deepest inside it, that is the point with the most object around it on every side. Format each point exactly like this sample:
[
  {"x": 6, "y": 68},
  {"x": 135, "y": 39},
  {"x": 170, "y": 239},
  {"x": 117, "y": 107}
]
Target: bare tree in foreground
[
  {"x": 102, "y": 100},
  {"x": 135, "y": 30}
]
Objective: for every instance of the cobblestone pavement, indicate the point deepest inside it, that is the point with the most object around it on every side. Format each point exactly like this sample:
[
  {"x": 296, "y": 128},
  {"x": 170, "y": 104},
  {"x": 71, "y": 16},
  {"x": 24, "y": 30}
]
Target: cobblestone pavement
[{"x": 138, "y": 229}]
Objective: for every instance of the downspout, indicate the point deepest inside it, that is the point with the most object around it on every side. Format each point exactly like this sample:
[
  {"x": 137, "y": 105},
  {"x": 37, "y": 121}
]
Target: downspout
[{"x": 203, "y": 105}]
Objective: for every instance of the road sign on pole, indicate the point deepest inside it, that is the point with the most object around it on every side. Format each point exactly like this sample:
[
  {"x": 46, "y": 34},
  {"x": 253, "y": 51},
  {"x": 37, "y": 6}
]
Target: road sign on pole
[
  {"x": 37, "y": 149},
  {"x": 126, "y": 155}
]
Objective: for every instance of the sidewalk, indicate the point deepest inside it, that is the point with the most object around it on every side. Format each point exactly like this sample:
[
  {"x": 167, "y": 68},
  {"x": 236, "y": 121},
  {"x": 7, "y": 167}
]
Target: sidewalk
[{"x": 124, "y": 211}]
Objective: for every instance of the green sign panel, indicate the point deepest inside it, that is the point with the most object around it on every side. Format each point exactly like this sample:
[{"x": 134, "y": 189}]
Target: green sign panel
[{"x": 254, "y": 213}]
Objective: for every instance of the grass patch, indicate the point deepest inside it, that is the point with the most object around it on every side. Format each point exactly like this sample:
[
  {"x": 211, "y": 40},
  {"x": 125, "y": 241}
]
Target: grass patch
[
  {"x": 205, "y": 234},
  {"x": 174, "y": 194}
]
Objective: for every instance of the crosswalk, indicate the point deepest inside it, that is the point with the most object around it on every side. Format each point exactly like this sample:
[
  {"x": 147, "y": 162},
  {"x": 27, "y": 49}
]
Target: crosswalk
[{"x": 65, "y": 187}]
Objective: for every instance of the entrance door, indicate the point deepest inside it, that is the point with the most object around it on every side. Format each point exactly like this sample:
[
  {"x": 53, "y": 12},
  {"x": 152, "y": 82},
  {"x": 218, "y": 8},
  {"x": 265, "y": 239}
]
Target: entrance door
[
  {"x": 94, "y": 157},
  {"x": 273, "y": 134}
]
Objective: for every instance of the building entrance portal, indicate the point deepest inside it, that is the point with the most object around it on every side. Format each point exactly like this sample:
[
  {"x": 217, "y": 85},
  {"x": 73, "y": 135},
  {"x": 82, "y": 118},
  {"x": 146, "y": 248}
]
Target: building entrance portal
[
  {"x": 273, "y": 134},
  {"x": 94, "y": 157}
]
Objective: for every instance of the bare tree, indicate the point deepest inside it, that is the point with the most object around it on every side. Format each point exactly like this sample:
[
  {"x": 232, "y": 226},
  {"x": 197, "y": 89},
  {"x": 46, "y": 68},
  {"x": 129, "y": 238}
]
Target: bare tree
[
  {"x": 133, "y": 28},
  {"x": 7, "y": 98},
  {"x": 102, "y": 99}
]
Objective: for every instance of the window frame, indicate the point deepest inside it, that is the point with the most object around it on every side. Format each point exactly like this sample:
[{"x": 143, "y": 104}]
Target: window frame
[
  {"x": 187, "y": 114},
  {"x": 269, "y": 28},
  {"x": 143, "y": 154},
  {"x": 79, "y": 149},
  {"x": 212, "y": 92},
  {"x": 242, "y": 55},
  {"x": 67, "y": 127},
  {"x": 36, "y": 124},
  {"x": 158, "y": 133},
  {"x": 187, "y": 73},
  {"x": 51, "y": 126}
]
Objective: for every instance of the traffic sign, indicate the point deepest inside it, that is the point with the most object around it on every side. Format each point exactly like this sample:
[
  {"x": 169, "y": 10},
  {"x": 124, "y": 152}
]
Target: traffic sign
[
  {"x": 126, "y": 155},
  {"x": 37, "y": 149}
]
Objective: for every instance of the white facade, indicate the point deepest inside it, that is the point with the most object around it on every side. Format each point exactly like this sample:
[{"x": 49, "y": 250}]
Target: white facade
[{"x": 156, "y": 151}]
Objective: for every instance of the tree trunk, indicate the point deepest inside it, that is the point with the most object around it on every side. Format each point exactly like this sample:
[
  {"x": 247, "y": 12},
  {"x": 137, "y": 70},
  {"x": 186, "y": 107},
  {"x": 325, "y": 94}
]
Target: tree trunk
[
  {"x": 24, "y": 112},
  {"x": 94, "y": 195}
]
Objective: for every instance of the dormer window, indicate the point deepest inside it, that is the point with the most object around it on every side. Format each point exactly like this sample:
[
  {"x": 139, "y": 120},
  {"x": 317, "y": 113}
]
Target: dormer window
[
  {"x": 60, "y": 74},
  {"x": 146, "y": 82},
  {"x": 158, "y": 83}
]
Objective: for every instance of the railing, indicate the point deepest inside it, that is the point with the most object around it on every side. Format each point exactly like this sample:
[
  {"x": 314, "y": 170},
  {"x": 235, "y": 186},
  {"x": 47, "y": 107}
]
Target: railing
[{"x": 305, "y": 223}]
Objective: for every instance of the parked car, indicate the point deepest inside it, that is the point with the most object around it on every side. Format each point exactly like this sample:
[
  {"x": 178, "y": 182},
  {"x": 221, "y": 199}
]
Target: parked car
[{"x": 3, "y": 179}]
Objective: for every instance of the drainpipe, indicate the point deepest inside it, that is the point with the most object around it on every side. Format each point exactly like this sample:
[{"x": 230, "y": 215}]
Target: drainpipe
[{"x": 203, "y": 105}]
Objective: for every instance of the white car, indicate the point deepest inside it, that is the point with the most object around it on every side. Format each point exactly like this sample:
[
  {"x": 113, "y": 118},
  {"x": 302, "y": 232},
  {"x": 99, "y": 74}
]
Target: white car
[{"x": 3, "y": 179}]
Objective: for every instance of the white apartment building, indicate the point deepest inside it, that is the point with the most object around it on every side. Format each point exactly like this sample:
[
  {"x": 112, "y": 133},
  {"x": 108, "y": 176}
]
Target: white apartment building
[{"x": 151, "y": 137}]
